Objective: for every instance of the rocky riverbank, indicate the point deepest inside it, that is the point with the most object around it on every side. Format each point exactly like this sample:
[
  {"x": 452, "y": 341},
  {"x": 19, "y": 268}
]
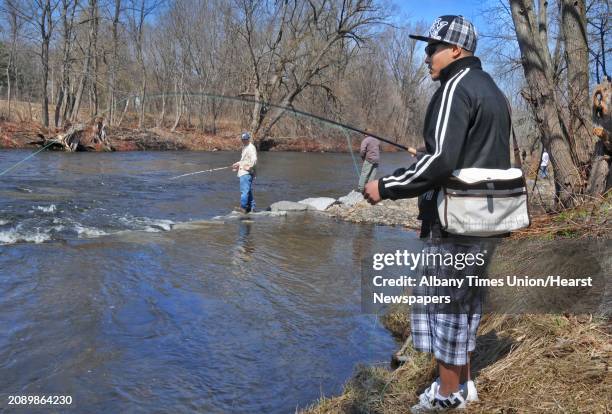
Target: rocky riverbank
[{"x": 353, "y": 208}]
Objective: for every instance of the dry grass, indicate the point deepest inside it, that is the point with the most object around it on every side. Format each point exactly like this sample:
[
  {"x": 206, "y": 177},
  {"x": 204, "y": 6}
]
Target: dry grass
[
  {"x": 531, "y": 363},
  {"x": 523, "y": 363},
  {"x": 591, "y": 219}
]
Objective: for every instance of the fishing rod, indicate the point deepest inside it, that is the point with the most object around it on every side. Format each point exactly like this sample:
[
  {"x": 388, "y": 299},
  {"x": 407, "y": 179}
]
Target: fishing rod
[{"x": 200, "y": 172}]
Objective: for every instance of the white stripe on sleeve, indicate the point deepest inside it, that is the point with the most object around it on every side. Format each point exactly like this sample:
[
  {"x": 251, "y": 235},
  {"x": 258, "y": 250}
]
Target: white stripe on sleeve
[
  {"x": 439, "y": 138},
  {"x": 423, "y": 159}
]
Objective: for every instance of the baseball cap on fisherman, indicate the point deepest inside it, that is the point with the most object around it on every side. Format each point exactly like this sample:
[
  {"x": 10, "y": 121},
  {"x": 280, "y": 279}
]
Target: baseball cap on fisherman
[
  {"x": 245, "y": 136},
  {"x": 454, "y": 30}
]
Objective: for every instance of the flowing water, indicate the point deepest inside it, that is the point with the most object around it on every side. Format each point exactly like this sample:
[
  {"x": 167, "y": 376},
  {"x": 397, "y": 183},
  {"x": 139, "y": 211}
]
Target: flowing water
[{"x": 118, "y": 288}]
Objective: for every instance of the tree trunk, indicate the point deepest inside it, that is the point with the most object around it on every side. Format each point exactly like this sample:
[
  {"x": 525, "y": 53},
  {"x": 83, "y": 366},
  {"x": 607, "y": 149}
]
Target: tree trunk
[
  {"x": 140, "y": 58},
  {"x": 536, "y": 66},
  {"x": 45, "y": 78},
  {"x": 94, "y": 83},
  {"x": 58, "y": 106},
  {"x": 143, "y": 95},
  {"x": 30, "y": 105},
  {"x": 10, "y": 68},
  {"x": 8, "y": 85},
  {"x": 46, "y": 28},
  {"x": 201, "y": 109},
  {"x": 600, "y": 170},
  {"x": 187, "y": 103},
  {"x": 127, "y": 103},
  {"x": 162, "y": 116},
  {"x": 179, "y": 103},
  {"x": 258, "y": 113},
  {"x": 573, "y": 13},
  {"x": 63, "y": 98},
  {"x": 79, "y": 94},
  {"x": 113, "y": 64}
]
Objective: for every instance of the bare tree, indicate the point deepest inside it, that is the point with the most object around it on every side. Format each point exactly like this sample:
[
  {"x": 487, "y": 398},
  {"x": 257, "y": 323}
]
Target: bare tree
[
  {"x": 139, "y": 11},
  {"x": 292, "y": 43},
  {"x": 15, "y": 25},
  {"x": 598, "y": 19},
  {"x": 85, "y": 76},
  {"x": 570, "y": 179},
  {"x": 573, "y": 15},
  {"x": 409, "y": 74},
  {"x": 162, "y": 68},
  {"x": 112, "y": 67},
  {"x": 95, "y": 18},
  {"x": 64, "y": 98},
  {"x": 43, "y": 10}
]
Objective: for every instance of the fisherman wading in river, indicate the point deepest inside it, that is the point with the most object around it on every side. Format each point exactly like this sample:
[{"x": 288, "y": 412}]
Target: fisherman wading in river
[
  {"x": 246, "y": 173},
  {"x": 467, "y": 126}
]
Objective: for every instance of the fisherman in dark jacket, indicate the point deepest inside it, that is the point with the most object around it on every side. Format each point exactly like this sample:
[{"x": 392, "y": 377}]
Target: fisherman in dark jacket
[{"x": 467, "y": 125}]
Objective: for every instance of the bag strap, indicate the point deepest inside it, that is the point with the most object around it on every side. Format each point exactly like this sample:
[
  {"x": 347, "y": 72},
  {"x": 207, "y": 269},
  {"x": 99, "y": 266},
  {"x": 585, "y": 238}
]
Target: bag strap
[{"x": 517, "y": 154}]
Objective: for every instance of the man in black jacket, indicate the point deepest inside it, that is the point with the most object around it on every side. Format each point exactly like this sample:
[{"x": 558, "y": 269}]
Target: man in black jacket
[{"x": 467, "y": 125}]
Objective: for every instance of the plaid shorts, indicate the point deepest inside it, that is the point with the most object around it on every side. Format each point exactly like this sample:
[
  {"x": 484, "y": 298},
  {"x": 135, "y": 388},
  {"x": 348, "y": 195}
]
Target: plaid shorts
[
  {"x": 448, "y": 331},
  {"x": 449, "y": 336}
]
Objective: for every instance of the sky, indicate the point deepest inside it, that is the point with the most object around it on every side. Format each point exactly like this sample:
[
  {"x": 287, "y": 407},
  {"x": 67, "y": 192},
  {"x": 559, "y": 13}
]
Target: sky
[
  {"x": 474, "y": 10},
  {"x": 428, "y": 10}
]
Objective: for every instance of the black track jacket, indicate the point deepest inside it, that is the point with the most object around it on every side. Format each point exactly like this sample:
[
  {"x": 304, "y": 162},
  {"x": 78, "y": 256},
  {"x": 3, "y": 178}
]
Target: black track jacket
[{"x": 467, "y": 124}]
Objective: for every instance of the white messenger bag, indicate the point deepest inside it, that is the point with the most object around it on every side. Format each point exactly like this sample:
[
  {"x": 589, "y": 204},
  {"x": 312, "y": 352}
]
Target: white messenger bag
[{"x": 483, "y": 202}]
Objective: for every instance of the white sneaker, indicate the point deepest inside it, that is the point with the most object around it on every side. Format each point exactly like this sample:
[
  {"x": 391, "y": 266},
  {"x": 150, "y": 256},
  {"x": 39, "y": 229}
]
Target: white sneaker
[
  {"x": 430, "y": 392},
  {"x": 454, "y": 401},
  {"x": 467, "y": 390},
  {"x": 472, "y": 393}
]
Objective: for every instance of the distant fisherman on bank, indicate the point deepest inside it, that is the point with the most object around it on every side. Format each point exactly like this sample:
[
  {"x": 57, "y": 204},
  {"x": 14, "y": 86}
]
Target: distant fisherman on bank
[{"x": 246, "y": 173}]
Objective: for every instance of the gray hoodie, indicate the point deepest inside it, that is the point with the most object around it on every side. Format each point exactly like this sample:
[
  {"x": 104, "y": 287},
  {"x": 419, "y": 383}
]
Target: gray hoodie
[{"x": 370, "y": 149}]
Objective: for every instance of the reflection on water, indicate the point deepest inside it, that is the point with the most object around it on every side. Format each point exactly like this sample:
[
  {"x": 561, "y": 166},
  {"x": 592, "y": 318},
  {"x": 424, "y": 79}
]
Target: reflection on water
[{"x": 159, "y": 314}]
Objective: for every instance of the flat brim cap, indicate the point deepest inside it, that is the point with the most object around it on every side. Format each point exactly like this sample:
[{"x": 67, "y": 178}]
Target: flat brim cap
[
  {"x": 454, "y": 30},
  {"x": 423, "y": 38}
]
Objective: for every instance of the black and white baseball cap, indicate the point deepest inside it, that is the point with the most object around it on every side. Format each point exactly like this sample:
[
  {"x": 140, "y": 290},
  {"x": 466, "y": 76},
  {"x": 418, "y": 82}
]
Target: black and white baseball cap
[{"x": 455, "y": 30}]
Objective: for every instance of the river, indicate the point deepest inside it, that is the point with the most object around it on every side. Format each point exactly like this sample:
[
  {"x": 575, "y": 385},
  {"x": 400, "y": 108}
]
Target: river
[{"x": 121, "y": 290}]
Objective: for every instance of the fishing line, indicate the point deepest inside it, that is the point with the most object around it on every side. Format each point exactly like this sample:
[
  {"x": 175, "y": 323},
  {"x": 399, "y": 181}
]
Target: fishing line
[
  {"x": 26, "y": 158},
  {"x": 201, "y": 172}
]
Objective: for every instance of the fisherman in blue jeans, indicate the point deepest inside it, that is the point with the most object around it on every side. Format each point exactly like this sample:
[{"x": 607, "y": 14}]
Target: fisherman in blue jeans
[{"x": 246, "y": 173}]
